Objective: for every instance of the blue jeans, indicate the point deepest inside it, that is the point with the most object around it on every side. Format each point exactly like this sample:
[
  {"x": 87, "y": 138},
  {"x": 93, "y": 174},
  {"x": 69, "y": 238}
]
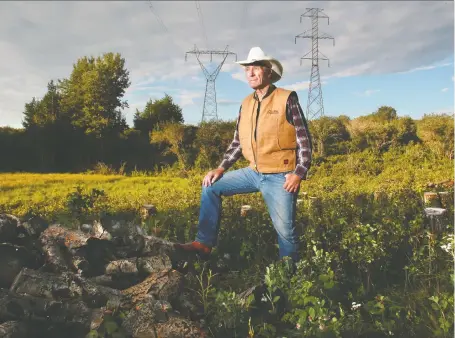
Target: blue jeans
[{"x": 280, "y": 203}]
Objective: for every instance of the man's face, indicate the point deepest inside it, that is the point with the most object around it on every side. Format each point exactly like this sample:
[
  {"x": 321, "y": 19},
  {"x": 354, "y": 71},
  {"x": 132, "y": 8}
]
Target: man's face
[{"x": 258, "y": 76}]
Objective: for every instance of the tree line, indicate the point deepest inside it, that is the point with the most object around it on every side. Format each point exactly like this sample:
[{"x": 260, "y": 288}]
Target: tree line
[{"x": 79, "y": 123}]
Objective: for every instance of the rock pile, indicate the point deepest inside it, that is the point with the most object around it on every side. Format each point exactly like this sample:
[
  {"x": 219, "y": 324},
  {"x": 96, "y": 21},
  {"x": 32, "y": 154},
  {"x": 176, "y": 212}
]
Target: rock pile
[{"x": 57, "y": 282}]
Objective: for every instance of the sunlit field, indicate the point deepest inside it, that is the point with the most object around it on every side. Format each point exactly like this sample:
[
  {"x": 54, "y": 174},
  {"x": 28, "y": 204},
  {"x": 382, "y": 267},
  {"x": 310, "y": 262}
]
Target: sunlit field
[{"x": 365, "y": 270}]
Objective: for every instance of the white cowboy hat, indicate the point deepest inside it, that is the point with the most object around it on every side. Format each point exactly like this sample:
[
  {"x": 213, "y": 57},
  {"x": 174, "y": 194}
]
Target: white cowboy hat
[{"x": 257, "y": 54}]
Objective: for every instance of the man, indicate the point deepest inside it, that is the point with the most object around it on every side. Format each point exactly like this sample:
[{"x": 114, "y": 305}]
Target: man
[{"x": 272, "y": 134}]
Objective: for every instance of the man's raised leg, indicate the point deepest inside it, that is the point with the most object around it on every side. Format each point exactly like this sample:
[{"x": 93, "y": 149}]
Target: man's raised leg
[
  {"x": 234, "y": 182},
  {"x": 241, "y": 181}
]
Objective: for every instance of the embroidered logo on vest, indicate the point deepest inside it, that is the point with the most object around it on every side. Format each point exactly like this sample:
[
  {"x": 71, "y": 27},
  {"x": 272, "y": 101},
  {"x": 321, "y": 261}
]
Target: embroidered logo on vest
[{"x": 272, "y": 112}]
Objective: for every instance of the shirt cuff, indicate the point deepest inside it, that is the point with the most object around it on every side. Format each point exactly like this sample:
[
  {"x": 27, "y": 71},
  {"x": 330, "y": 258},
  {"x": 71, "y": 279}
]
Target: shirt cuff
[
  {"x": 301, "y": 171},
  {"x": 225, "y": 165}
]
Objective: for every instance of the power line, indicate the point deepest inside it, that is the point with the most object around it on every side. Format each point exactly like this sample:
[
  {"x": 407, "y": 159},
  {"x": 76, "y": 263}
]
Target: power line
[
  {"x": 158, "y": 18},
  {"x": 315, "y": 104},
  {"x": 210, "y": 106},
  {"x": 201, "y": 20},
  {"x": 161, "y": 23}
]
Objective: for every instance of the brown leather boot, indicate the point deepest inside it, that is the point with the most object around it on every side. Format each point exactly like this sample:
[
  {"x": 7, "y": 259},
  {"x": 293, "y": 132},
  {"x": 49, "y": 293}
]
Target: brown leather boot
[{"x": 195, "y": 247}]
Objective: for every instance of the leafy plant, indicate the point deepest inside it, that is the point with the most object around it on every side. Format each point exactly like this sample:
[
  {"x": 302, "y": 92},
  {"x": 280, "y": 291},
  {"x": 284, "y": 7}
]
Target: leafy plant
[{"x": 82, "y": 205}]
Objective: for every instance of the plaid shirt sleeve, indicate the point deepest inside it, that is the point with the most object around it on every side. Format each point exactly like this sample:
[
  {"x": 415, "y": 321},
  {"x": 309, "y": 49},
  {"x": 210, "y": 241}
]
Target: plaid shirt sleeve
[
  {"x": 234, "y": 151},
  {"x": 304, "y": 146}
]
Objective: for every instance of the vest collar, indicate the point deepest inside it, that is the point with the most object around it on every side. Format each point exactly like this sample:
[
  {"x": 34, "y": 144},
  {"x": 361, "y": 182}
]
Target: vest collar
[{"x": 269, "y": 91}]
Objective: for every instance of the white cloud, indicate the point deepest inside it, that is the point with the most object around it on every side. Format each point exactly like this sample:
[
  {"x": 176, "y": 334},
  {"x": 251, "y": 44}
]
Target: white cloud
[
  {"x": 370, "y": 91},
  {"x": 138, "y": 105},
  {"x": 301, "y": 86},
  {"x": 367, "y": 92},
  {"x": 426, "y": 68},
  {"x": 298, "y": 86},
  {"x": 186, "y": 97},
  {"x": 444, "y": 89},
  {"x": 41, "y": 41},
  {"x": 230, "y": 67},
  {"x": 352, "y": 71},
  {"x": 240, "y": 75},
  {"x": 227, "y": 102}
]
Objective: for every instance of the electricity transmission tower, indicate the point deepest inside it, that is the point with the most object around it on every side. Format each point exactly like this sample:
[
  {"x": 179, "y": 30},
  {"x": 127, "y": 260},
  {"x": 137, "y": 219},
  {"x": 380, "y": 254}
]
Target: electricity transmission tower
[
  {"x": 210, "y": 107},
  {"x": 315, "y": 104}
]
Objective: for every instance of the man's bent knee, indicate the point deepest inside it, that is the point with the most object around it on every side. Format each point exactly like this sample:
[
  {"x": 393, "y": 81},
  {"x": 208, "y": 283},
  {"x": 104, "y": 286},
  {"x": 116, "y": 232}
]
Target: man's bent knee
[{"x": 211, "y": 190}]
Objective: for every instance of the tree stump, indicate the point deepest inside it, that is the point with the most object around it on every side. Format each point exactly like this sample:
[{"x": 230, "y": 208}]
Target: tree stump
[
  {"x": 245, "y": 210},
  {"x": 431, "y": 199},
  {"x": 435, "y": 215}
]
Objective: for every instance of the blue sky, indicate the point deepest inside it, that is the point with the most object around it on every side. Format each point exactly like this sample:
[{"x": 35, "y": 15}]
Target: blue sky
[
  {"x": 397, "y": 53},
  {"x": 412, "y": 93}
]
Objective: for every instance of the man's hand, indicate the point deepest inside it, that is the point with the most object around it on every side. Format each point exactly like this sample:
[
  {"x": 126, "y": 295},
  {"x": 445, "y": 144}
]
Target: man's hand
[
  {"x": 292, "y": 182},
  {"x": 212, "y": 176}
]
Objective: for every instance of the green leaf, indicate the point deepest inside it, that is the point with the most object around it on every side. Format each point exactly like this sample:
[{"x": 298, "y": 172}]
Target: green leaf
[
  {"x": 324, "y": 278},
  {"x": 110, "y": 327},
  {"x": 329, "y": 285},
  {"x": 275, "y": 299},
  {"x": 311, "y": 312},
  {"x": 302, "y": 314},
  {"x": 92, "y": 334},
  {"x": 309, "y": 299}
]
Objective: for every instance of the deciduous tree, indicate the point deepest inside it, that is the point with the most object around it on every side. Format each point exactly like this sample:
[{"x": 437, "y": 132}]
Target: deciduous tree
[
  {"x": 92, "y": 95},
  {"x": 156, "y": 113}
]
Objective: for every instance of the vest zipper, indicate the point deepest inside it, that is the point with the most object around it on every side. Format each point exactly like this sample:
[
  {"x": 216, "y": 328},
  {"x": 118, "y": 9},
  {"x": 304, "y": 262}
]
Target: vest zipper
[{"x": 255, "y": 132}]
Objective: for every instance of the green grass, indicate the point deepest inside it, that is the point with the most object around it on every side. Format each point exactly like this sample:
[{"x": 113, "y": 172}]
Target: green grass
[
  {"x": 48, "y": 193},
  {"x": 349, "y": 236},
  {"x": 411, "y": 167}
]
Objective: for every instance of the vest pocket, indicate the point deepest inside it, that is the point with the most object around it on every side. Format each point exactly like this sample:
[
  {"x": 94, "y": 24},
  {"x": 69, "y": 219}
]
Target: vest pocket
[{"x": 286, "y": 137}]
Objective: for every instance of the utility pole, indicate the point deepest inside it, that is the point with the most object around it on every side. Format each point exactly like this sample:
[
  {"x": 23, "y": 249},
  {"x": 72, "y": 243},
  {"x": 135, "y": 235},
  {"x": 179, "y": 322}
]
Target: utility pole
[
  {"x": 315, "y": 104},
  {"x": 210, "y": 107}
]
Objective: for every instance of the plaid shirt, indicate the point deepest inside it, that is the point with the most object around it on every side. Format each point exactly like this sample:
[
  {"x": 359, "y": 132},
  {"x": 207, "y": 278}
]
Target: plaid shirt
[{"x": 294, "y": 115}]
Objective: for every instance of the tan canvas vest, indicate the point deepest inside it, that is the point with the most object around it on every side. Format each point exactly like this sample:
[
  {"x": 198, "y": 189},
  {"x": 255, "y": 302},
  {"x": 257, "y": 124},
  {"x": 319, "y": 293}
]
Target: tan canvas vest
[{"x": 274, "y": 148}]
